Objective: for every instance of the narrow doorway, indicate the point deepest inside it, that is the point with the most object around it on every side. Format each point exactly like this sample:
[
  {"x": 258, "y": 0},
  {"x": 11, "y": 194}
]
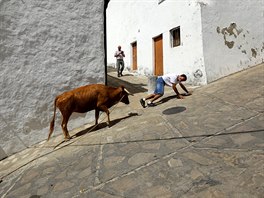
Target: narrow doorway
[
  {"x": 134, "y": 56},
  {"x": 158, "y": 56}
]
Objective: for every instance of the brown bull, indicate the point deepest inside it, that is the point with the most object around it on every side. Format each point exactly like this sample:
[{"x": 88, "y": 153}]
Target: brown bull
[{"x": 96, "y": 97}]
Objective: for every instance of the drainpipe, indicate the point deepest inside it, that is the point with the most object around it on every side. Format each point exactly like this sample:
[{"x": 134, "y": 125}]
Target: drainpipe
[{"x": 105, "y": 43}]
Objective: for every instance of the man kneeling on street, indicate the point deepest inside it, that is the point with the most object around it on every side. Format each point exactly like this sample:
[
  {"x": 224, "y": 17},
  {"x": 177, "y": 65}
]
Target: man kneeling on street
[{"x": 170, "y": 80}]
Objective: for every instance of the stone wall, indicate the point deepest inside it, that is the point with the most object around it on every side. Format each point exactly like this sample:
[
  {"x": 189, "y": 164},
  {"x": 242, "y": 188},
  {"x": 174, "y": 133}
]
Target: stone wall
[{"x": 46, "y": 47}]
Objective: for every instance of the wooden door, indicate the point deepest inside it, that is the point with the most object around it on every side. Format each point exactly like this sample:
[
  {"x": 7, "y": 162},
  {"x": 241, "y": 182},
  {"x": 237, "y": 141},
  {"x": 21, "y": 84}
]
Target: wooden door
[
  {"x": 158, "y": 56},
  {"x": 134, "y": 56}
]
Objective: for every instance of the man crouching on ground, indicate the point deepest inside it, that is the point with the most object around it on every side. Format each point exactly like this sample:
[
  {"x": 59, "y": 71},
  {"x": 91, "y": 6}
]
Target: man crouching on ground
[{"x": 170, "y": 80}]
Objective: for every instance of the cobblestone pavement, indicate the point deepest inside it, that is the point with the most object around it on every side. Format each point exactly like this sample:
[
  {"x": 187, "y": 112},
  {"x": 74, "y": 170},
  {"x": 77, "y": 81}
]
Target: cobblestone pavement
[{"x": 209, "y": 144}]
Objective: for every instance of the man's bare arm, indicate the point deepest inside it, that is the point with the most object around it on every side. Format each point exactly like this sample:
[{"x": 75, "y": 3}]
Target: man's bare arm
[
  {"x": 176, "y": 91},
  {"x": 184, "y": 88}
]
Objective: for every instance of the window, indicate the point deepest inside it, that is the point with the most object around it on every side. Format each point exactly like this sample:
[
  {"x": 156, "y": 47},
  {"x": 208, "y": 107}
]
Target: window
[
  {"x": 175, "y": 37},
  {"x": 160, "y": 1}
]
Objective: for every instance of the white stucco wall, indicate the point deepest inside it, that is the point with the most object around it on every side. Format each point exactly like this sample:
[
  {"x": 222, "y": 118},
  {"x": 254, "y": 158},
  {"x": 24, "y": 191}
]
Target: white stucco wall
[
  {"x": 46, "y": 48},
  {"x": 141, "y": 21},
  {"x": 233, "y": 35}
]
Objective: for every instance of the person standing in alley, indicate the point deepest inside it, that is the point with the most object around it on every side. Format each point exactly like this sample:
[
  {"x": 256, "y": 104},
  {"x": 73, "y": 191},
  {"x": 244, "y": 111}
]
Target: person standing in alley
[
  {"x": 119, "y": 54},
  {"x": 170, "y": 80}
]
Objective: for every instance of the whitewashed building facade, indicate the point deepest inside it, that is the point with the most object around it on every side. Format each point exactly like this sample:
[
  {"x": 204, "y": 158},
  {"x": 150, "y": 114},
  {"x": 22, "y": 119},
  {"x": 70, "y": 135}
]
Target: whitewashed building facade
[
  {"x": 46, "y": 48},
  {"x": 206, "y": 39}
]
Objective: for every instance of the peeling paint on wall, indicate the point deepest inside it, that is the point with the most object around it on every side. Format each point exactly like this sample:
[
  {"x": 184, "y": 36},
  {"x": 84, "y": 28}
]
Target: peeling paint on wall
[
  {"x": 231, "y": 33},
  {"x": 237, "y": 38},
  {"x": 218, "y": 30},
  {"x": 203, "y": 2},
  {"x": 232, "y": 30},
  {"x": 227, "y": 32},
  {"x": 254, "y": 52},
  {"x": 229, "y": 44}
]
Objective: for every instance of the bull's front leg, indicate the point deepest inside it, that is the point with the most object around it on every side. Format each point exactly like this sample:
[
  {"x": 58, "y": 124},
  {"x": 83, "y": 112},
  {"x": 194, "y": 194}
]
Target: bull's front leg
[
  {"x": 96, "y": 116},
  {"x": 105, "y": 109}
]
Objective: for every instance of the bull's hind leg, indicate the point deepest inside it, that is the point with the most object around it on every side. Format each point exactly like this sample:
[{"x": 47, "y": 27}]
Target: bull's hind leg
[{"x": 64, "y": 123}]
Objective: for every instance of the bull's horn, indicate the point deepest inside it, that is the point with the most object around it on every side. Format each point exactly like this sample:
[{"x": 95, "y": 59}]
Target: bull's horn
[{"x": 128, "y": 92}]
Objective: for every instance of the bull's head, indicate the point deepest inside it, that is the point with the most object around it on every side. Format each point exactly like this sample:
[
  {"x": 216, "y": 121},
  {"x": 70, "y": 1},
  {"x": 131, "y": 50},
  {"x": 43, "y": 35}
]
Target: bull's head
[{"x": 125, "y": 94}]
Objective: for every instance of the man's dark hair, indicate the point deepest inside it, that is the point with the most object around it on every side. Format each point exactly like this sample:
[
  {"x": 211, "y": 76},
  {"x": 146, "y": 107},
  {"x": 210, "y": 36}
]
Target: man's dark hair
[{"x": 184, "y": 76}]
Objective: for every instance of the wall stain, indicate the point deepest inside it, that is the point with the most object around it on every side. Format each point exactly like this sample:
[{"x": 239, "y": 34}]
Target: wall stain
[
  {"x": 218, "y": 30},
  {"x": 254, "y": 52},
  {"x": 230, "y": 34},
  {"x": 229, "y": 44},
  {"x": 198, "y": 73},
  {"x": 232, "y": 30}
]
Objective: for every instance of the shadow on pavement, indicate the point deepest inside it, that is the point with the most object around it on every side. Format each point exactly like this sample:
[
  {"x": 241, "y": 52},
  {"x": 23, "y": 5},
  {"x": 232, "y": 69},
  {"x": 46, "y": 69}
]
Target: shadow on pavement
[
  {"x": 174, "y": 110},
  {"x": 163, "y": 100},
  {"x": 166, "y": 99},
  {"x": 191, "y": 138},
  {"x": 222, "y": 134},
  {"x": 131, "y": 87},
  {"x": 103, "y": 125}
]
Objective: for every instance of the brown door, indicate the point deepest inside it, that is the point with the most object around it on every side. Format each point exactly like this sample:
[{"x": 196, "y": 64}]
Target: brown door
[
  {"x": 134, "y": 55},
  {"x": 158, "y": 55}
]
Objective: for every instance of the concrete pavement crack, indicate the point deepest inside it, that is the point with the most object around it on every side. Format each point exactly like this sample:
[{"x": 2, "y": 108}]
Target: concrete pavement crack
[
  {"x": 101, "y": 185},
  {"x": 98, "y": 165},
  {"x": 205, "y": 139},
  {"x": 11, "y": 187},
  {"x": 229, "y": 149}
]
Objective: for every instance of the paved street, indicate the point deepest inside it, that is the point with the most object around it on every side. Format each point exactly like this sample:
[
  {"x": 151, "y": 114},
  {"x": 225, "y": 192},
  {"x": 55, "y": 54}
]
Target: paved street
[{"x": 210, "y": 144}]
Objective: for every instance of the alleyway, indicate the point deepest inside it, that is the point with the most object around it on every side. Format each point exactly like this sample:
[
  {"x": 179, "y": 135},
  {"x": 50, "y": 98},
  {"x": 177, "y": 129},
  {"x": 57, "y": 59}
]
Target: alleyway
[{"x": 210, "y": 144}]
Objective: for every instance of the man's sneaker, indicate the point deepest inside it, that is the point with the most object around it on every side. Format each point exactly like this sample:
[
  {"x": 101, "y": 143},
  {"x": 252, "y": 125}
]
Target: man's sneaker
[
  {"x": 151, "y": 104},
  {"x": 142, "y": 102}
]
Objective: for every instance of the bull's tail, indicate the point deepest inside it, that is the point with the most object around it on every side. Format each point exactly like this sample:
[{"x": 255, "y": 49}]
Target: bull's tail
[{"x": 52, "y": 123}]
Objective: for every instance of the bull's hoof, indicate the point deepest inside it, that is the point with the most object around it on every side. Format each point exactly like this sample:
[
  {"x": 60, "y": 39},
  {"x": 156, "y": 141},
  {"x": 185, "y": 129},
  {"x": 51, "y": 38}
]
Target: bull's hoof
[{"x": 67, "y": 139}]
